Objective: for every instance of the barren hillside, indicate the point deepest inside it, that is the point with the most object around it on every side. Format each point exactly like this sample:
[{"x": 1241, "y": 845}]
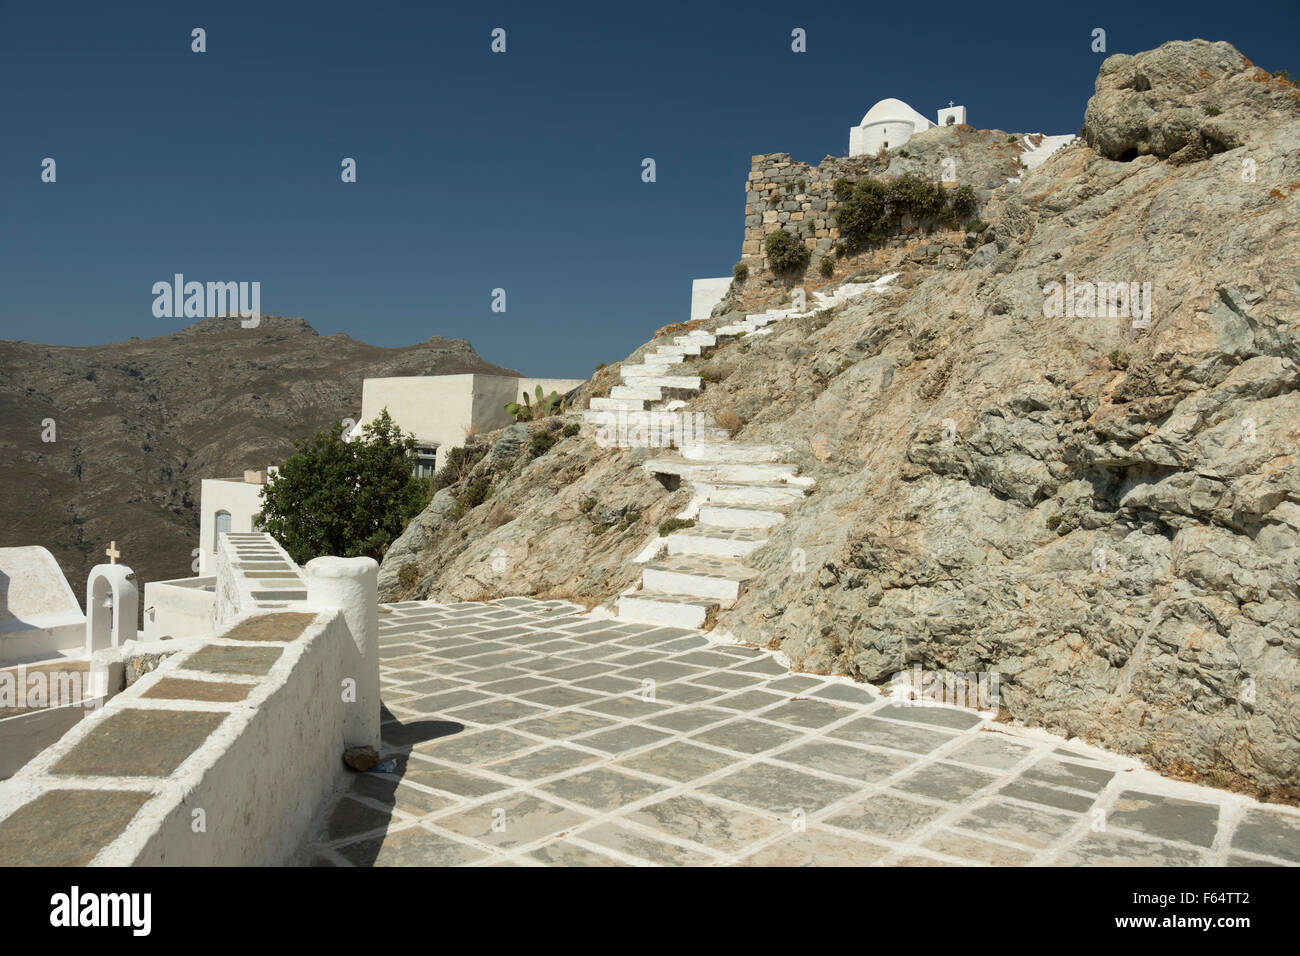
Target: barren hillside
[{"x": 137, "y": 424}]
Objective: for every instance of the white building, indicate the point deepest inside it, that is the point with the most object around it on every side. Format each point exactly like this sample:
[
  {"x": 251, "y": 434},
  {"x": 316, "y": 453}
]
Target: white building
[
  {"x": 705, "y": 294},
  {"x": 892, "y": 123},
  {"x": 442, "y": 410},
  {"x": 227, "y": 504}
]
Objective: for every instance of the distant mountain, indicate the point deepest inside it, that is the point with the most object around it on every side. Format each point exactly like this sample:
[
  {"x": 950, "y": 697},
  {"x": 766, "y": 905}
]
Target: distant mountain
[{"x": 138, "y": 424}]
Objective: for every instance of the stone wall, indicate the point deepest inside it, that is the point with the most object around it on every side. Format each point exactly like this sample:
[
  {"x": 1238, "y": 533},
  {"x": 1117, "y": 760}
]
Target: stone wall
[{"x": 796, "y": 197}]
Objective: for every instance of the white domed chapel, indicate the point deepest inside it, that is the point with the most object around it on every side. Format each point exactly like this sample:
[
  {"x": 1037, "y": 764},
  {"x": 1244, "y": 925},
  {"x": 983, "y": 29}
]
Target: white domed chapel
[{"x": 892, "y": 123}]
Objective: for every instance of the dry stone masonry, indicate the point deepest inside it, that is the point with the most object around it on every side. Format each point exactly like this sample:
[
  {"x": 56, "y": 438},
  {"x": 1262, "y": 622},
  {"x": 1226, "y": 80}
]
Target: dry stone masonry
[{"x": 781, "y": 194}]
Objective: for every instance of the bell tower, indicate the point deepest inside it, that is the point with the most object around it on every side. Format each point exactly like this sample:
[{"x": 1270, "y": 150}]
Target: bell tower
[{"x": 952, "y": 115}]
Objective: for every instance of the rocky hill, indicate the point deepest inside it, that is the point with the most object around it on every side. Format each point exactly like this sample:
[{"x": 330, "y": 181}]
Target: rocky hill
[
  {"x": 1103, "y": 510},
  {"x": 137, "y": 424}
]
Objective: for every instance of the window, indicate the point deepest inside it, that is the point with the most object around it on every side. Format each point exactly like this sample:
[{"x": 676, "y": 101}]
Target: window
[
  {"x": 221, "y": 522},
  {"x": 950, "y": 120},
  {"x": 426, "y": 461}
]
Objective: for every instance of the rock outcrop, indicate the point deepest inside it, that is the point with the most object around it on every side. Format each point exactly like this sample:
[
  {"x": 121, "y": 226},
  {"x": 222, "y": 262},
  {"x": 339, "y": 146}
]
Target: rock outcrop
[
  {"x": 1099, "y": 503},
  {"x": 1183, "y": 102}
]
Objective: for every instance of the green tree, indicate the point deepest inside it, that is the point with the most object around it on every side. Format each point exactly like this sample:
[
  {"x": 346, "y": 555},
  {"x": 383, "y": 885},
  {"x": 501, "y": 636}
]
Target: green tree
[
  {"x": 344, "y": 498},
  {"x": 785, "y": 253}
]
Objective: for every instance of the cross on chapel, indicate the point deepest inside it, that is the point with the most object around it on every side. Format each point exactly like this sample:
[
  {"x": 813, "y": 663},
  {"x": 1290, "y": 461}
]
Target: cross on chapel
[{"x": 112, "y": 552}]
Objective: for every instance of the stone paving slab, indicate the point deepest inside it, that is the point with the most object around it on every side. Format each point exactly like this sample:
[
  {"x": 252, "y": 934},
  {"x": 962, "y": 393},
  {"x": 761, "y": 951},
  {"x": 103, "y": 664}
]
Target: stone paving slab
[
  {"x": 529, "y": 733},
  {"x": 139, "y": 743},
  {"x": 286, "y": 626},
  {"x": 221, "y": 659},
  {"x": 182, "y": 688},
  {"x": 66, "y": 827}
]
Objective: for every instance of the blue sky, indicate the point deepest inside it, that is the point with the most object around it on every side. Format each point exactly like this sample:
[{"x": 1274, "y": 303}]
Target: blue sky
[{"x": 477, "y": 170}]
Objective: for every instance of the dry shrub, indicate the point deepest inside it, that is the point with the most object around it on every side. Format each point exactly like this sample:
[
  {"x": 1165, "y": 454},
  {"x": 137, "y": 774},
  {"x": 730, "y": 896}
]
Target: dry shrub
[
  {"x": 726, "y": 417},
  {"x": 936, "y": 381},
  {"x": 679, "y": 328},
  {"x": 408, "y": 576},
  {"x": 717, "y": 371},
  {"x": 499, "y": 515}
]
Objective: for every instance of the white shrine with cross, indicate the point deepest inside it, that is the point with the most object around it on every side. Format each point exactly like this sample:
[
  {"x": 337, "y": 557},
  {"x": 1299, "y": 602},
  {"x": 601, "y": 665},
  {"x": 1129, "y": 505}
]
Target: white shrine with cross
[{"x": 39, "y": 615}]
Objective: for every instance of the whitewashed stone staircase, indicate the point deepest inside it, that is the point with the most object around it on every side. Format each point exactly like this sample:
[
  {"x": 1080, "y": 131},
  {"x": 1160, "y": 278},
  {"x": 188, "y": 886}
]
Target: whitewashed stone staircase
[{"x": 740, "y": 491}]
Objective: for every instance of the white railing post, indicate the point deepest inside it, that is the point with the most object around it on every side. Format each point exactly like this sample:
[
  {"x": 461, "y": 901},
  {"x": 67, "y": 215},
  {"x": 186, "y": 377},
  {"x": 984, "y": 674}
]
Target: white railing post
[{"x": 351, "y": 585}]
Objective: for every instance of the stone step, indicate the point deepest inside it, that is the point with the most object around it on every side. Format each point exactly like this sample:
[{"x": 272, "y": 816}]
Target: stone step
[
  {"x": 652, "y": 368},
  {"x": 668, "y": 350},
  {"x": 725, "y": 516},
  {"x": 652, "y": 427},
  {"x": 730, "y": 451},
  {"x": 759, "y": 494},
  {"x": 658, "y": 607},
  {"x": 722, "y": 542},
  {"x": 695, "y": 338},
  {"x": 726, "y": 472},
  {"x": 699, "y": 575},
  {"x": 617, "y": 404},
  {"x": 689, "y": 383},
  {"x": 645, "y": 394}
]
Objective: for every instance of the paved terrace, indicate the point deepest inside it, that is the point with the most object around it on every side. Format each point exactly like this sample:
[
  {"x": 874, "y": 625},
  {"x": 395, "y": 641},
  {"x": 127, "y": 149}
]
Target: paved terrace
[{"x": 523, "y": 737}]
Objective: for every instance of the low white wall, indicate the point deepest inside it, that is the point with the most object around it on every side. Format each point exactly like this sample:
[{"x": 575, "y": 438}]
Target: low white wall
[
  {"x": 185, "y": 607},
  {"x": 442, "y": 409},
  {"x": 263, "y": 775},
  {"x": 706, "y": 293},
  {"x": 23, "y": 736},
  {"x": 43, "y": 643},
  {"x": 259, "y": 778}
]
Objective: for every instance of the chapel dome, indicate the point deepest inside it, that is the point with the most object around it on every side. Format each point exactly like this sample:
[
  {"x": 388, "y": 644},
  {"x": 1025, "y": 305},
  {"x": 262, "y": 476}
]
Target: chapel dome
[{"x": 892, "y": 110}]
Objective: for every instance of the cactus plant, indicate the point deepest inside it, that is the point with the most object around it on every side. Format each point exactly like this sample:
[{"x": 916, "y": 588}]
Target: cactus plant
[{"x": 527, "y": 411}]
